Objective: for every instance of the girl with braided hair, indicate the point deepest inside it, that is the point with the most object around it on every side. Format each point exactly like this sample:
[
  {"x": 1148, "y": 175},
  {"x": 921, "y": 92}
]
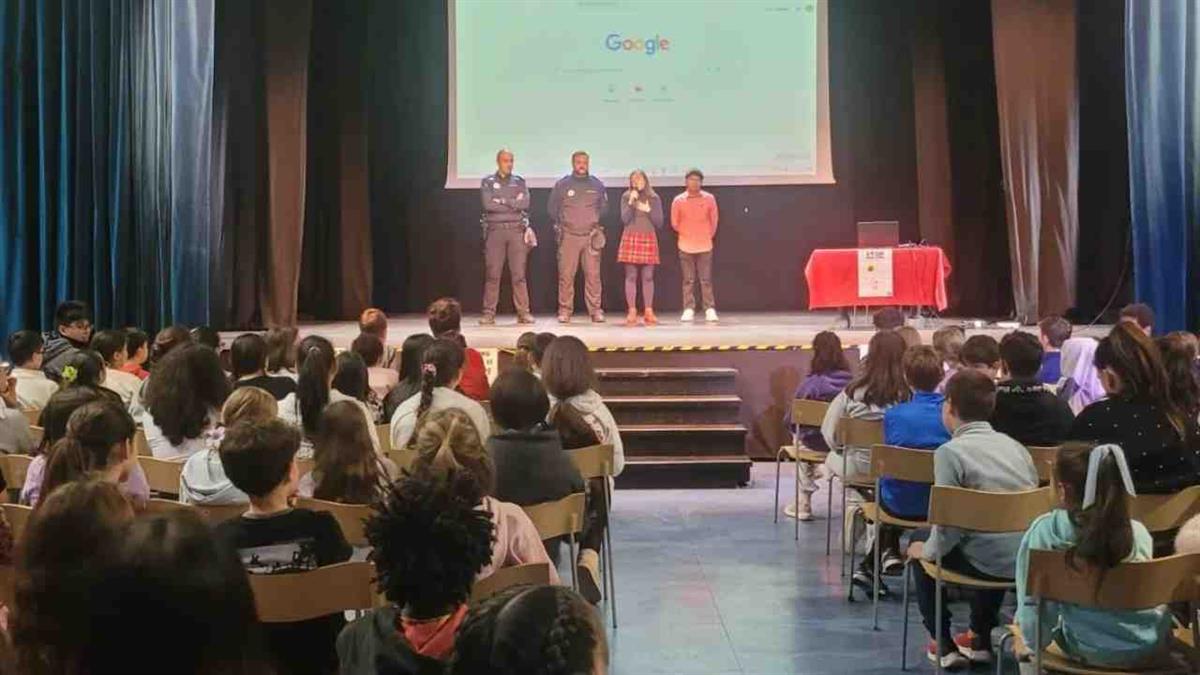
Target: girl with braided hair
[
  {"x": 430, "y": 541},
  {"x": 441, "y": 371},
  {"x": 531, "y": 630}
]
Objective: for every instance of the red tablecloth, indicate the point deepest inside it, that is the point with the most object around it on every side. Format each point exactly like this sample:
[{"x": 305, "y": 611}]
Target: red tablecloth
[{"x": 919, "y": 278}]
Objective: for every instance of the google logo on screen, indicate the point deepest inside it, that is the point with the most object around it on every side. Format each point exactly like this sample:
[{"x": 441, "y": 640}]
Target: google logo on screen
[{"x": 651, "y": 46}]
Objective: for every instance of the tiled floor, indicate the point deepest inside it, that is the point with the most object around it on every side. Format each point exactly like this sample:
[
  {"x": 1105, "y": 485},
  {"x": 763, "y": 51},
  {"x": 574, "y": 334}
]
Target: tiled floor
[{"x": 707, "y": 583}]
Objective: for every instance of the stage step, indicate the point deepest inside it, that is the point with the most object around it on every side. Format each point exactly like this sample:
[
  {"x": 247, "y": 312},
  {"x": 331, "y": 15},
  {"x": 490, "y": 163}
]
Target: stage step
[
  {"x": 679, "y": 426},
  {"x": 666, "y": 381},
  {"x": 719, "y": 471},
  {"x": 682, "y": 440},
  {"x": 669, "y": 409}
]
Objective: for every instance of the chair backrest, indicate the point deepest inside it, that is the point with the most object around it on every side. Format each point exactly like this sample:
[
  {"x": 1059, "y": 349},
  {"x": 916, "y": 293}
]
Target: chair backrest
[
  {"x": 558, "y": 518},
  {"x": 891, "y": 461},
  {"x": 1162, "y": 513},
  {"x": 859, "y": 433},
  {"x": 1128, "y": 586},
  {"x": 809, "y": 413},
  {"x": 17, "y": 516},
  {"x": 15, "y": 467},
  {"x": 351, "y": 517},
  {"x": 156, "y": 505},
  {"x": 140, "y": 445},
  {"x": 284, "y": 598},
  {"x": 531, "y": 574},
  {"x": 162, "y": 474},
  {"x": 37, "y": 434},
  {"x": 993, "y": 512},
  {"x": 33, "y": 416},
  {"x": 219, "y": 513},
  {"x": 403, "y": 458},
  {"x": 594, "y": 461},
  {"x": 1044, "y": 458},
  {"x": 384, "y": 432}
]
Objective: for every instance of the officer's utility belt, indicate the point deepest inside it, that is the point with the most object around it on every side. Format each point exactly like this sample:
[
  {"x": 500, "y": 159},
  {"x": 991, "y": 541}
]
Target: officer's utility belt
[{"x": 514, "y": 225}]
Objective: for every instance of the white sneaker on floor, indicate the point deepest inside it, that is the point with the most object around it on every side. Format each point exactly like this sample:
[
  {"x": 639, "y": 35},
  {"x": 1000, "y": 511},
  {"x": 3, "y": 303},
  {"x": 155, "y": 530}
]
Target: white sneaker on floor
[
  {"x": 806, "y": 514},
  {"x": 688, "y": 316},
  {"x": 710, "y": 315}
]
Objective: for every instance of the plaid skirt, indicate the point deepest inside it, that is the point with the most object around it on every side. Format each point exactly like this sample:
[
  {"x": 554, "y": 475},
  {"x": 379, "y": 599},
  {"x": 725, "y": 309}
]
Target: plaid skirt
[{"x": 638, "y": 248}]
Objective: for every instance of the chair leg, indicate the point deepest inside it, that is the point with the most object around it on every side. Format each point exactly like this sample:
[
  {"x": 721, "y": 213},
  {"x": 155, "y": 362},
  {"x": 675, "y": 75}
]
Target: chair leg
[
  {"x": 853, "y": 516},
  {"x": 828, "y": 516},
  {"x": 845, "y": 464},
  {"x": 904, "y": 634},
  {"x": 1008, "y": 637},
  {"x": 612, "y": 576},
  {"x": 778, "y": 461},
  {"x": 796, "y": 485},
  {"x": 937, "y": 617},
  {"x": 875, "y": 575},
  {"x": 574, "y": 565}
]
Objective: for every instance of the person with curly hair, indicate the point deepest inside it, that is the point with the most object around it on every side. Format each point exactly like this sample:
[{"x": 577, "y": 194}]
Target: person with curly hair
[
  {"x": 430, "y": 542},
  {"x": 531, "y": 630},
  {"x": 183, "y": 402}
]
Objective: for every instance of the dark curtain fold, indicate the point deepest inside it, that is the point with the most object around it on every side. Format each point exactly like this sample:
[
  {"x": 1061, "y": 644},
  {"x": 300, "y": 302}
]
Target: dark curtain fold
[
  {"x": 1104, "y": 266},
  {"x": 335, "y": 278},
  {"x": 1162, "y": 86},
  {"x": 1034, "y": 42}
]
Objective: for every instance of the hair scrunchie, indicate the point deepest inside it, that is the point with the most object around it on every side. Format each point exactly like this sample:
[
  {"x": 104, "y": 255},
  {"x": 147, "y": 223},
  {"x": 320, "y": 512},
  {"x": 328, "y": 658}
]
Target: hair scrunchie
[{"x": 1098, "y": 454}]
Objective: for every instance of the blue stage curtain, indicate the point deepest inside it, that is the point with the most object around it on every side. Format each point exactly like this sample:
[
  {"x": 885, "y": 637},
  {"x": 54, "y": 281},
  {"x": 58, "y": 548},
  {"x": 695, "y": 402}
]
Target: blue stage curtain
[
  {"x": 105, "y": 124},
  {"x": 1162, "y": 83}
]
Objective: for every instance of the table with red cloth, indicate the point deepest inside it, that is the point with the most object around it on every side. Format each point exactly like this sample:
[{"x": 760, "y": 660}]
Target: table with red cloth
[{"x": 918, "y": 278}]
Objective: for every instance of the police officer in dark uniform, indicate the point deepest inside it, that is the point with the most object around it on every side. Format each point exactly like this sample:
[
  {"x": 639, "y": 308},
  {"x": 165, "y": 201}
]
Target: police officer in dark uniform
[
  {"x": 506, "y": 237},
  {"x": 576, "y": 204}
]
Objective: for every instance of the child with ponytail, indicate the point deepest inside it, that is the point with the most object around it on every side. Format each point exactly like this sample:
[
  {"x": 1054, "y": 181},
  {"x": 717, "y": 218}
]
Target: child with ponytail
[
  {"x": 1092, "y": 525},
  {"x": 441, "y": 370},
  {"x": 98, "y": 442},
  {"x": 317, "y": 364}
]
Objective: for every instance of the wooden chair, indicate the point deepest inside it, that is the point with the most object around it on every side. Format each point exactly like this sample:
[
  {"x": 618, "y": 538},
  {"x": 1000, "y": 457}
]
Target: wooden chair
[
  {"x": 162, "y": 474},
  {"x": 1163, "y": 513},
  {"x": 156, "y": 505},
  {"x": 532, "y": 574},
  {"x": 384, "y": 432},
  {"x": 15, "y": 467},
  {"x": 890, "y": 461},
  {"x": 285, "y": 598},
  {"x": 805, "y": 413},
  {"x": 18, "y": 517},
  {"x": 305, "y": 466},
  {"x": 403, "y": 458},
  {"x": 977, "y": 511},
  {"x": 851, "y": 433},
  {"x": 560, "y": 518},
  {"x": 219, "y": 513},
  {"x": 37, "y": 434},
  {"x": 350, "y": 517},
  {"x": 33, "y": 416},
  {"x": 596, "y": 461},
  {"x": 1044, "y": 458},
  {"x": 140, "y": 445},
  {"x": 1128, "y": 586}
]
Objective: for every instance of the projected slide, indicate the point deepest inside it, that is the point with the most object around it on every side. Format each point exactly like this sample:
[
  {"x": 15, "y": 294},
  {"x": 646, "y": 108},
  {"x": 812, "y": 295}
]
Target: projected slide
[{"x": 735, "y": 87}]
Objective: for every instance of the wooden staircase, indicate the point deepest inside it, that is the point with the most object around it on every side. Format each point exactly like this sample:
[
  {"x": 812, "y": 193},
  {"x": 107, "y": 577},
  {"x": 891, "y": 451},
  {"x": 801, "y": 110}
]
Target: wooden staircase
[{"x": 679, "y": 426}]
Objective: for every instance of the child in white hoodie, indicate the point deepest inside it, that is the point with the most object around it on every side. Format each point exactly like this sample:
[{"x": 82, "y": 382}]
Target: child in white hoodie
[{"x": 203, "y": 480}]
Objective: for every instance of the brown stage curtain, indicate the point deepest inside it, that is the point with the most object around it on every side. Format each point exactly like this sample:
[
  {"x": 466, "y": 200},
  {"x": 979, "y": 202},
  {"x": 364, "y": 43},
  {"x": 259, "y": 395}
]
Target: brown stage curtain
[
  {"x": 287, "y": 29},
  {"x": 1037, "y": 93},
  {"x": 357, "y": 270}
]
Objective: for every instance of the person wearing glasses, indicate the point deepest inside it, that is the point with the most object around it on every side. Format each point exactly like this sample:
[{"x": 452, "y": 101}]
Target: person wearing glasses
[
  {"x": 26, "y": 348},
  {"x": 72, "y": 332}
]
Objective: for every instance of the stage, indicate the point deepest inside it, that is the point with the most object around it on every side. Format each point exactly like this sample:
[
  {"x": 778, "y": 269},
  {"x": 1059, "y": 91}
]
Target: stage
[{"x": 735, "y": 330}]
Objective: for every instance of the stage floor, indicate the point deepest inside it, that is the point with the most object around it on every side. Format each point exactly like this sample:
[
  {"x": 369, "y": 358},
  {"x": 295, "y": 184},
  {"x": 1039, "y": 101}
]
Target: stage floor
[{"x": 736, "y": 329}]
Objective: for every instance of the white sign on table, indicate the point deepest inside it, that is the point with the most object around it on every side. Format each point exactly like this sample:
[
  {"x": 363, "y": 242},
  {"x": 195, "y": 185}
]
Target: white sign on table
[{"x": 875, "y": 273}]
